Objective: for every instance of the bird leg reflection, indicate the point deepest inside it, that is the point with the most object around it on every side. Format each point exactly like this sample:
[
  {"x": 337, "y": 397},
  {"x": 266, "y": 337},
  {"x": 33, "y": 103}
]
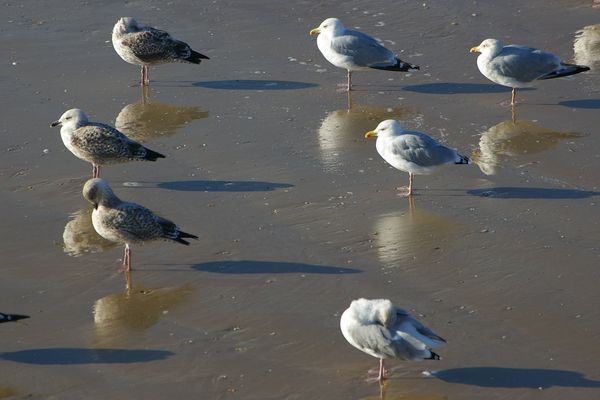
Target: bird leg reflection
[
  {"x": 128, "y": 284},
  {"x": 513, "y": 112},
  {"x": 145, "y": 94}
]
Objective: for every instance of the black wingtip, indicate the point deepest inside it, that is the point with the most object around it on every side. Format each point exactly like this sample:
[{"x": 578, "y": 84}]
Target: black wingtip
[
  {"x": 12, "y": 317},
  {"x": 152, "y": 155},
  {"x": 196, "y": 58},
  {"x": 571, "y": 70},
  {"x": 434, "y": 356},
  {"x": 187, "y": 235},
  {"x": 463, "y": 160}
]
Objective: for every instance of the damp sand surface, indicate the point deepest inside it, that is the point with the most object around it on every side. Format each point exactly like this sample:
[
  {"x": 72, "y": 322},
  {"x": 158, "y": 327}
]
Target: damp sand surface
[{"x": 296, "y": 213}]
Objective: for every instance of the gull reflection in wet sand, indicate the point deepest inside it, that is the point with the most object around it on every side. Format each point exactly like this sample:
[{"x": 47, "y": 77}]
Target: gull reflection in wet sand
[
  {"x": 80, "y": 237},
  {"x": 512, "y": 139},
  {"x": 136, "y": 309},
  {"x": 587, "y": 47},
  {"x": 343, "y": 129},
  {"x": 144, "y": 120},
  {"x": 413, "y": 234},
  {"x": 398, "y": 394}
]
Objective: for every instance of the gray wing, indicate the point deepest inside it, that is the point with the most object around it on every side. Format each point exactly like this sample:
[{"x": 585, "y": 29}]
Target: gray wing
[
  {"x": 364, "y": 49},
  {"x": 105, "y": 142},
  {"x": 374, "y": 337},
  {"x": 422, "y": 150},
  {"x": 404, "y": 316},
  {"x": 150, "y": 45},
  {"x": 524, "y": 63}
]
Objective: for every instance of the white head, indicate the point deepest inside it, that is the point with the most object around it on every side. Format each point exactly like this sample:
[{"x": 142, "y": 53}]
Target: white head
[
  {"x": 97, "y": 191},
  {"x": 488, "y": 48},
  {"x": 329, "y": 27},
  {"x": 72, "y": 118},
  {"x": 126, "y": 25},
  {"x": 389, "y": 127}
]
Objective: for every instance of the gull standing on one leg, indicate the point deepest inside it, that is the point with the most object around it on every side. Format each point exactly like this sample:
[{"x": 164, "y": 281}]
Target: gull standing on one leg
[
  {"x": 355, "y": 51},
  {"x": 128, "y": 223},
  {"x": 99, "y": 144},
  {"x": 381, "y": 330},
  {"x": 411, "y": 151},
  {"x": 145, "y": 46},
  {"x": 518, "y": 66}
]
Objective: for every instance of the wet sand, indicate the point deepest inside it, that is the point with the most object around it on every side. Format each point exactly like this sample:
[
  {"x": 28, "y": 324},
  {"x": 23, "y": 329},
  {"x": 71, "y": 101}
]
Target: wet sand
[{"x": 297, "y": 214}]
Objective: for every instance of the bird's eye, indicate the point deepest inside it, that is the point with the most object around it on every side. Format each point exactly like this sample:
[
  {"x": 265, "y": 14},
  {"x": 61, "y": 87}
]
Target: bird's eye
[{"x": 68, "y": 118}]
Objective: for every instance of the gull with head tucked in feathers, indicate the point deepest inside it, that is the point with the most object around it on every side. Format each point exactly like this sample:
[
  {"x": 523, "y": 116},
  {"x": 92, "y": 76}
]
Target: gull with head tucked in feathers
[{"x": 381, "y": 330}]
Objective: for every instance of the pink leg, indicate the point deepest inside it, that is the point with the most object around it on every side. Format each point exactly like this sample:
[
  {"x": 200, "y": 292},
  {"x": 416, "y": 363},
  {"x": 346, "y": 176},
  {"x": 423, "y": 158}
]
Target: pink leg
[
  {"x": 514, "y": 96},
  {"x": 127, "y": 258},
  {"x": 146, "y": 76},
  {"x": 381, "y": 370},
  {"x": 407, "y": 191},
  {"x": 349, "y": 80}
]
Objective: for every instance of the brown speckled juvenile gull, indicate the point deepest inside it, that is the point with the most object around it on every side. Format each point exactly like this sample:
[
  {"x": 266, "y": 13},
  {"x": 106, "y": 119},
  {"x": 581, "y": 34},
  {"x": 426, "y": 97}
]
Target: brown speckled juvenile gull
[
  {"x": 128, "y": 223},
  {"x": 99, "y": 144},
  {"x": 144, "y": 45},
  {"x": 381, "y": 330}
]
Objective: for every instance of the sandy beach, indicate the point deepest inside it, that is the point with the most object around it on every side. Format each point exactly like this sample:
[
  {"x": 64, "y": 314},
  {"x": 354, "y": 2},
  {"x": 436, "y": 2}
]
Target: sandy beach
[{"x": 295, "y": 211}]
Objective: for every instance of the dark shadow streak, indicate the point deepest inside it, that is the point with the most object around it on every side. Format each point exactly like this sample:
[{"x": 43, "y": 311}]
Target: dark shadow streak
[
  {"x": 223, "y": 186},
  {"x": 458, "y": 88},
  {"x": 590, "y": 103},
  {"x": 269, "y": 267},
  {"x": 532, "y": 193},
  {"x": 74, "y": 356},
  {"x": 252, "y": 84},
  {"x": 515, "y": 377}
]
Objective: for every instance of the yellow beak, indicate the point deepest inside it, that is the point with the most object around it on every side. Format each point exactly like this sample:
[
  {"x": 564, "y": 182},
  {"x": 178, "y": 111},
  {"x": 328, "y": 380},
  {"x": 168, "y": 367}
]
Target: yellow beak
[
  {"x": 314, "y": 32},
  {"x": 474, "y": 49},
  {"x": 370, "y": 134}
]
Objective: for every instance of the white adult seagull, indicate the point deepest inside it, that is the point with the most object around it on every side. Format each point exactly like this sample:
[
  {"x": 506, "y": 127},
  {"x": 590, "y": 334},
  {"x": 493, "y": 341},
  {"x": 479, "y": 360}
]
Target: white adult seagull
[
  {"x": 517, "y": 66},
  {"x": 411, "y": 151},
  {"x": 381, "y": 330},
  {"x": 355, "y": 51}
]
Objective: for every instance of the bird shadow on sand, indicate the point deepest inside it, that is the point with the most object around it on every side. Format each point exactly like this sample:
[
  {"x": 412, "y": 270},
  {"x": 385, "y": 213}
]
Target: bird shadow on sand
[
  {"x": 270, "y": 267},
  {"x": 532, "y": 193},
  {"x": 533, "y": 378},
  {"x": 588, "y": 103},
  {"x": 76, "y": 356},
  {"x": 223, "y": 186},
  {"x": 458, "y": 88},
  {"x": 254, "y": 84}
]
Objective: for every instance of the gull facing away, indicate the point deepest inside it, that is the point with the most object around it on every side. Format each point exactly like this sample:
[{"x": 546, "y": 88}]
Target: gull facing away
[
  {"x": 411, "y": 151},
  {"x": 355, "y": 51},
  {"x": 11, "y": 317},
  {"x": 381, "y": 330},
  {"x": 518, "y": 66},
  {"x": 145, "y": 46},
  {"x": 99, "y": 144},
  {"x": 128, "y": 223}
]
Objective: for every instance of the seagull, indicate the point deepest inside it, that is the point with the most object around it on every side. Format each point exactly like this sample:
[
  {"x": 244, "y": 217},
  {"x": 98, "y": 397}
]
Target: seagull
[
  {"x": 410, "y": 151},
  {"x": 11, "y": 317},
  {"x": 517, "y": 66},
  {"x": 355, "y": 51},
  {"x": 144, "y": 45},
  {"x": 99, "y": 144},
  {"x": 128, "y": 223},
  {"x": 382, "y": 330}
]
